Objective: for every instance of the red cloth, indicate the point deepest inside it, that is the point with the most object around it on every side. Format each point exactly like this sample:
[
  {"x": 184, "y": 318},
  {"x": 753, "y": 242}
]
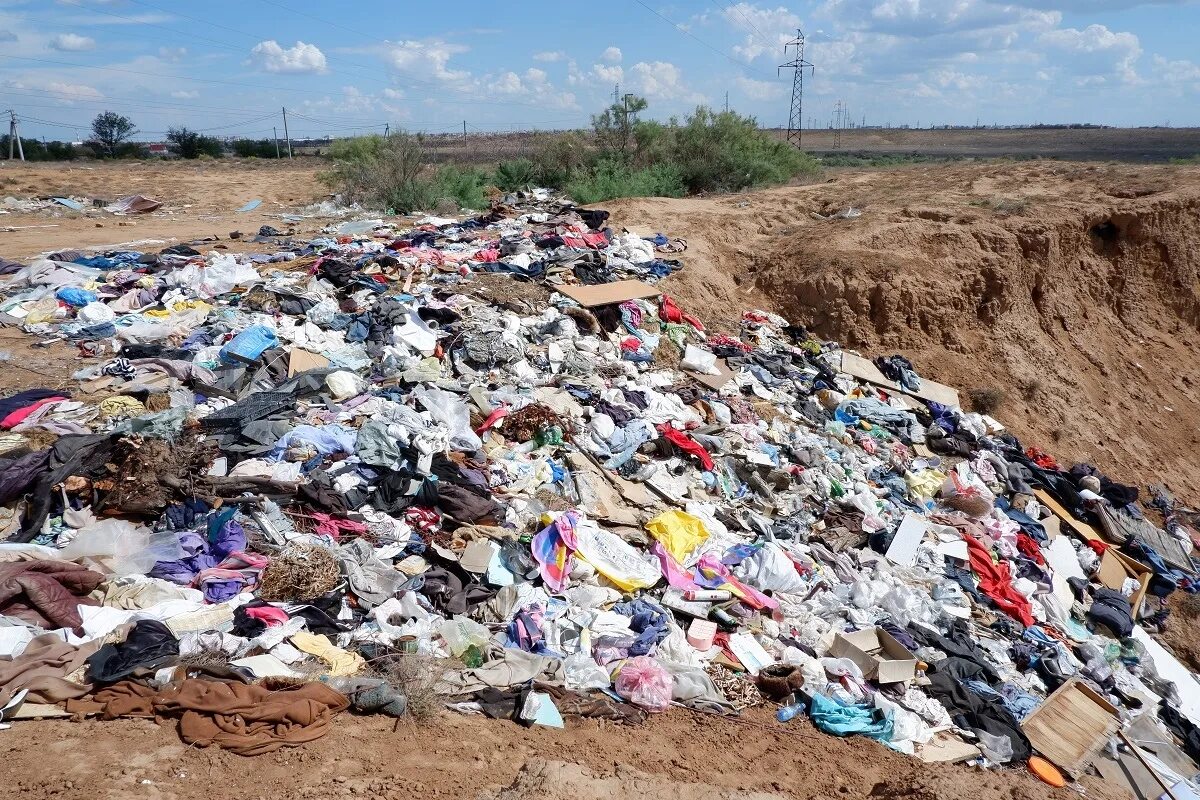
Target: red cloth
[
  {"x": 269, "y": 614},
  {"x": 669, "y": 311},
  {"x": 1098, "y": 546},
  {"x": 995, "y": 581},
  {"x": 17, "y": 417},
  {"x": 1030, "y": 548},
  {"x": 1041, "y": 458},
  {"x": 687, "y": 444}
]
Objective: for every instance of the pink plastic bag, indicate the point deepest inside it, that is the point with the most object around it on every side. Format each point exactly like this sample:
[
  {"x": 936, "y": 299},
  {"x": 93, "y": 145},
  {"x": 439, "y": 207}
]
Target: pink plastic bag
[{"x": 643, "y": 682}]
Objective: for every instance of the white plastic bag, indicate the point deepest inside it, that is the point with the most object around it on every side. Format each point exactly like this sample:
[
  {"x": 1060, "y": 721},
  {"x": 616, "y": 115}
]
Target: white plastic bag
[
  {"x": 453, "y": 413},
  {"x": 614, "y": 558},
  {"x": 460, "y": 633},
  {"x": 697, "y": 360},
  {"x": 583, "y": 673}
]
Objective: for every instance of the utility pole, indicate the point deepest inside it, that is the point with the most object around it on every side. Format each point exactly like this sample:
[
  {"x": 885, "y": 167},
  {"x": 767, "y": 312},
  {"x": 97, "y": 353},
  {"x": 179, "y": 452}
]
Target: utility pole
[
  {"x": 287, "y": 135},
  {"x": 387, "y": 127},
  {"x": 275, "y": 133},
  {"x": 464, "y": 129},
  {"x": 14, "y": 136},
  {"x": 837, "y": 126},
  {"x": 726, "y": 101},
  {"x": 797, "y": 65}
]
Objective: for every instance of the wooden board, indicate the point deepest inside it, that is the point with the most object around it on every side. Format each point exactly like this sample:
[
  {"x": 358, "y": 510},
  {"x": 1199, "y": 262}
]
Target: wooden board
[
  {"x": 714, "y": 382},
  {"x": 1072, "y": 726},
  {"x": 859, "y": 367},
  {"x": 605, "y": 294},
  {"x": 1081, "y": 529},
  {"x": 1115, "y": 567}
]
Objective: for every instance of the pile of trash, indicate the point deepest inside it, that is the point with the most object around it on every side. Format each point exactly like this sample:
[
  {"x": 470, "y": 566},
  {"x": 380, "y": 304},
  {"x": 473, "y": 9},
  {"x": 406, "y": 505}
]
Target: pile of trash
[{"x": 304, "y": 480}]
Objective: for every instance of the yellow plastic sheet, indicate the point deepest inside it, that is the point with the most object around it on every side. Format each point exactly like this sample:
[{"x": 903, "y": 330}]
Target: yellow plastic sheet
[{"x": 680, "y": 533}]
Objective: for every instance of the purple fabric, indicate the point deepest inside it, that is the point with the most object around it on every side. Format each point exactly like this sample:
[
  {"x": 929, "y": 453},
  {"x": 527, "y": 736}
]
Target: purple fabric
[
  {"x": 200, "y": 554},
  {"x": 218, "y": 590}
]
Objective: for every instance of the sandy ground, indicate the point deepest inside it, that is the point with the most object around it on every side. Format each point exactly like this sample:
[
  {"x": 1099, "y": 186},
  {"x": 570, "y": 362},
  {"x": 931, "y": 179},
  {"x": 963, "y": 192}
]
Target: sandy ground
[
  {"x": 199, "y": 200},
  {"x": 682, "y": 755}
]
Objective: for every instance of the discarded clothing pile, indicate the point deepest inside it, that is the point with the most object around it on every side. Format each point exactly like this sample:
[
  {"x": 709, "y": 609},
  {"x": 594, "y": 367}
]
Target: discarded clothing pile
[{"x": 316, "y": 466}]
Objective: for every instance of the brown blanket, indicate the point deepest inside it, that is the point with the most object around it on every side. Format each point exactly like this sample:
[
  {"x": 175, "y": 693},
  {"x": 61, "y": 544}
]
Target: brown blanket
[
  {"x": 247, "y": 720},
  {"x": 46, "y": 593},
  {"x": 43, "y": 669}
]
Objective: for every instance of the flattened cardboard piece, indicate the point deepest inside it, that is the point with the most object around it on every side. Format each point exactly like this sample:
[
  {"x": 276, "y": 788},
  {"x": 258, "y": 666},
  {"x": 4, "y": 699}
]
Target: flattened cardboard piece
[
  {"x": 605, "y": 294},
  {"x": 877, "y": 653},
  {"x": 1065, "y": 562},
  {"x": 903, "y": 549},
  {"x": 714, "y": 382},
  {"x": 1115, "y": 567},
  {"x": 478, "y": 555},
  {"x": 1081, "y": 529},
  {"x": 859, "y": 367},
  {"x": 1170, "y": 669},
  {"x": 944, "y": 748},
  {"x": 37, "y": 711},
  {"x": 300, "y": 360},
  {"x": 1072, "y": 726}
]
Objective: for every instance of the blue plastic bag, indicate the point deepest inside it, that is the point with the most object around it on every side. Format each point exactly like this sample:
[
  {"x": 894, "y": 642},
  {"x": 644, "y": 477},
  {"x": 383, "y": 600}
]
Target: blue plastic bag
[
  {"x": 249, "y": 344},
  {"x": 74, "y": 296}
]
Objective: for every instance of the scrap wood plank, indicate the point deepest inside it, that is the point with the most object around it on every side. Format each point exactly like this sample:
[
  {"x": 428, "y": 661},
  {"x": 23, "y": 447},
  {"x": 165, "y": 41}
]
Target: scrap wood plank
[
  {"x": 1072, "y": 726},
  {"x": 859, "y": 367},
  {"x": 605, "y": 294},
  {"x": 714, "y": 382},
  {"x": 1081, "y": 529}
]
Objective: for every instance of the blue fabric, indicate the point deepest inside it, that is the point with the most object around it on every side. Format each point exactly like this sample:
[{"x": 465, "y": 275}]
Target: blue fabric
[
  {"x": 840, "y": 720},
  {"x": 648, "y": 621},
  {"x": 1028, "y": 524},
  {"x": 326, "y": 439},
  {"x": 74, "y": 296}
]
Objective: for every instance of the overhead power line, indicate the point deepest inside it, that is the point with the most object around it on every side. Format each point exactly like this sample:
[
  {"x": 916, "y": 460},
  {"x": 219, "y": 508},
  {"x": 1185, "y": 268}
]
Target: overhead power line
[{"x": 691, "y": 35}]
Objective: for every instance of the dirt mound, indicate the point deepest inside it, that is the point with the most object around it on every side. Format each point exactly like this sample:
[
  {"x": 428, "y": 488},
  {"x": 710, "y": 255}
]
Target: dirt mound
[{"x": 1073, "y": 289}]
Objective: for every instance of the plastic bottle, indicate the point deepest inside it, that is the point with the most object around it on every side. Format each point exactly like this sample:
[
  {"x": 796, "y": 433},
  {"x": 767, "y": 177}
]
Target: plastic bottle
[{"x": 790, "y": 712}]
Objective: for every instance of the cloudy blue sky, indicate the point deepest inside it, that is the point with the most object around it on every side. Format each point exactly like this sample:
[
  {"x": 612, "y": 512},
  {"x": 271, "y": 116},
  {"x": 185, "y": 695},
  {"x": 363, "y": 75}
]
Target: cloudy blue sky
[{"x": 348, "y": 67}]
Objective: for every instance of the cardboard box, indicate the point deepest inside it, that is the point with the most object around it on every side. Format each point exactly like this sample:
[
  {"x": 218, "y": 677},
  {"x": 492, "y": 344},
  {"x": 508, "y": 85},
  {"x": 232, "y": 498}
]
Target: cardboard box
[
  {"x": 1115, "y": 567},
  {"x": 877, "y": 653}
]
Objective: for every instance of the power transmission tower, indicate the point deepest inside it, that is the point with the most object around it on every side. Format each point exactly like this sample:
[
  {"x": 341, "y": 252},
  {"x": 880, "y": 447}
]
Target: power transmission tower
[
  {"x": 797, "y": 65},
  {"x": 838, "y": 121}
]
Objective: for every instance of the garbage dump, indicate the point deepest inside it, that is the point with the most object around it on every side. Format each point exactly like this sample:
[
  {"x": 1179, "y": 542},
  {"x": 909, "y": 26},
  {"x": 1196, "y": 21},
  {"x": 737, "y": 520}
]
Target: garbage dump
[{"x": 494, "y": 453}]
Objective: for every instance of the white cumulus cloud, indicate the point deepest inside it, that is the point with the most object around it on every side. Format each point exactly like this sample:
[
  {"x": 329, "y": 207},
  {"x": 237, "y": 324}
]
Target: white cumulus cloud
[
  {"x": 1096, "y": 51},
  {"x": 72, "y": 43},
  {"x": 662, "y": 80},
  {"x": 611, "y": 55},
  {"x": 298, "y": 59},
  {"x": 549, "y": 55},
  {"x": 74, "y": 91},
  {"x": 428, "y": 58}
]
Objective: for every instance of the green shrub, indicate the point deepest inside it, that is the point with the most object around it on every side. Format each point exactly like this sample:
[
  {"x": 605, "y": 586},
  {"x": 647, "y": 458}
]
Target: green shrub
[
  {"x": 393, "y": 172},
  {"x": 514, "y": 175},
  {"x": 466, "y": 187},
  {"x": 610, "y": 179},
  {"x": 726, "y": 152},
  {"x": 255, "y": 148},
  {"x": 558, "y": 156}
]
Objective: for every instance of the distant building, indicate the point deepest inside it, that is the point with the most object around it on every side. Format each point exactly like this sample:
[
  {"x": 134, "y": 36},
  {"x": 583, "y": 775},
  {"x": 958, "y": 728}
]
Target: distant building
[{"x": 159, "y": 149}]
